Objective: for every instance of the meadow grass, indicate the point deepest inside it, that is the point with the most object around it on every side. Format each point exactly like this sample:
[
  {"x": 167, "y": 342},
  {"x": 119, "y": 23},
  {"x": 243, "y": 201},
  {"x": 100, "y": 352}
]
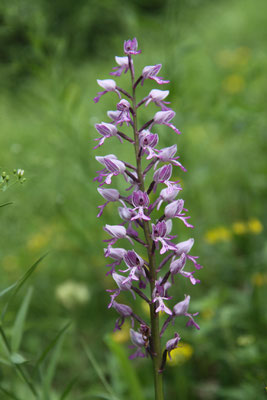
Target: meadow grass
[{"x": 215, "y": 58}]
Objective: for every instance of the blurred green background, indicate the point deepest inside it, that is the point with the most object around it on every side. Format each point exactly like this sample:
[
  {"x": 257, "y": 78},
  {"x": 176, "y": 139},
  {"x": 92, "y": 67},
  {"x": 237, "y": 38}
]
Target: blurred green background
[{"x": 214, "y": 53}]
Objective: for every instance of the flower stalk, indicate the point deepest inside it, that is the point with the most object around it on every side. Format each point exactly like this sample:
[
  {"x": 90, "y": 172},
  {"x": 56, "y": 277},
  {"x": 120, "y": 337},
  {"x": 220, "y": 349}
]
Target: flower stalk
[{"x": 152, "y": 287}]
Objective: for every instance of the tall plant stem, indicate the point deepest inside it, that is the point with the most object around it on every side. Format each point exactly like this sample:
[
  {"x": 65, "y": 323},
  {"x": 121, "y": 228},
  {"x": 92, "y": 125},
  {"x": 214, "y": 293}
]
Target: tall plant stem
[{"x": 154, "y": 317}]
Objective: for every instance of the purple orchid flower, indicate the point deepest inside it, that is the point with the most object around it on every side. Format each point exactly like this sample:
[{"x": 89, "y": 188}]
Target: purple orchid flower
[
  {"x": 157, "y": 96},
  {"x": 167, "y": 155},
  {"x": 111, "y": 195},
  {"x": 159, "y": 294},
  {"x": 148, "y": 141},
  {"x": 140, "y": 202},
  {"x": 109, "y": 85},
  {"x": 138, "y": 343},
  {"x": 164, "y": 118},
  {"x": 124, "y": 107},
  {"x": 122, "y": 286},
  {"x": 151, "y": 72},
  {"x": 116, "y": 254},
  {"x": 177, "y": 267},
  {"x": 107, "y": 131},
  {"x": 113, "y": 166},
  {"x": 130, "y": 47},
  {"x": 117, "y": 232},
  {"x": 124, "y": 311},
  {"x": 185, "y": 247},
  {"x": 175, "y": 210},
  {"x": 152, "y": 243},
  {"x": 172, "y": 344},
  {"x": 123, "y": 65},
  {"x": 160, "y": 234},
  {"x": 135, "y": 265}
]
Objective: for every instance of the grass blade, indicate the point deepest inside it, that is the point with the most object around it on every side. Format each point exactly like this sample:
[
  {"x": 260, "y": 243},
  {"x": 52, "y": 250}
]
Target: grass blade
[
  {"x": 51, "y": 369},
  {"x": 127, "y": 369},
  {"x": 100, "y": 395},
  {"x": 18, "y": 327},
  {"x": 6, "y": 204},
  {"x": 51, "y": 345},
  {"x": 23, "y": 374},
  {"x": 4, "y": 291},
  {"x": 4, "y": 361},
  {"x": 68, "y": 389},
  {"x": 9, "y": 394},
  {"x": 20, "y": 283},
  {"x": 99, "y": 371}
]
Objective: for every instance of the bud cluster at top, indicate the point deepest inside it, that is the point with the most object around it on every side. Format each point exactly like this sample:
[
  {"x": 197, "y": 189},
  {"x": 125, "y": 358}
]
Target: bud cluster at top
[{"x": 137, "y": 223}]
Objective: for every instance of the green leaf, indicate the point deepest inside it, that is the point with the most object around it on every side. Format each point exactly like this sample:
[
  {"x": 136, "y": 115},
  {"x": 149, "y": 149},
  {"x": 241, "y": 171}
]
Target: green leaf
[
  {"x": 51, "y": 345},
  {"x": 51, "y": 369},
  {"x": 19, "y": 367},
  {"x": 17, "y": 358},
  {"x": 100, "y": 395},
  {"x": 4, "y": 361},
  {"x": 99, "y": 372},
  {"x": 127, "y": 369},
  {"x": 10, "y": 394},
  {"x": 18, "y": 327},
  {"x": 6, "y": 204},
  {"x": 68, "y": 389},
  {"x": 19, "y": 284},
  {"x": 4, "y": 291}
]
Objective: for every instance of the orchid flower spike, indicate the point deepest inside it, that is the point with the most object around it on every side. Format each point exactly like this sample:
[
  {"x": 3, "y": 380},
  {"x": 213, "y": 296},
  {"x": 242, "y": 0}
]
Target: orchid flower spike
[{"x": 144, "y": 200}]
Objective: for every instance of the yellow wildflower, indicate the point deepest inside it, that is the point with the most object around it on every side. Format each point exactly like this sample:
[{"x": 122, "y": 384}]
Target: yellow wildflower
[
  {"x": 230, "y": 58},
  {"x": 245, "y": 340},
  {"x": 219, "y": 234},
  {"x": 123, "y": 335},
  {"x": 225, "y": 58},
  {"x": 255, "y": 226},
  {"x": 242, "y": 55},
  {"x": 180, "y": 355},
  {"x": 37, "y": 241},
  {"x": 208, "y": 313},
  {"x": 259, "y": 279},
  {"x": 233, "y": 84},
  {"x": 239, "y": 228},
  {"x": 10, "y": 263}
]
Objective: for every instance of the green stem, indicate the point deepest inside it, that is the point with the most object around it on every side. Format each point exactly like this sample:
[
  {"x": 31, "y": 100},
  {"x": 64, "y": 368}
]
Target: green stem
[{"x": 154, "y": 317}]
